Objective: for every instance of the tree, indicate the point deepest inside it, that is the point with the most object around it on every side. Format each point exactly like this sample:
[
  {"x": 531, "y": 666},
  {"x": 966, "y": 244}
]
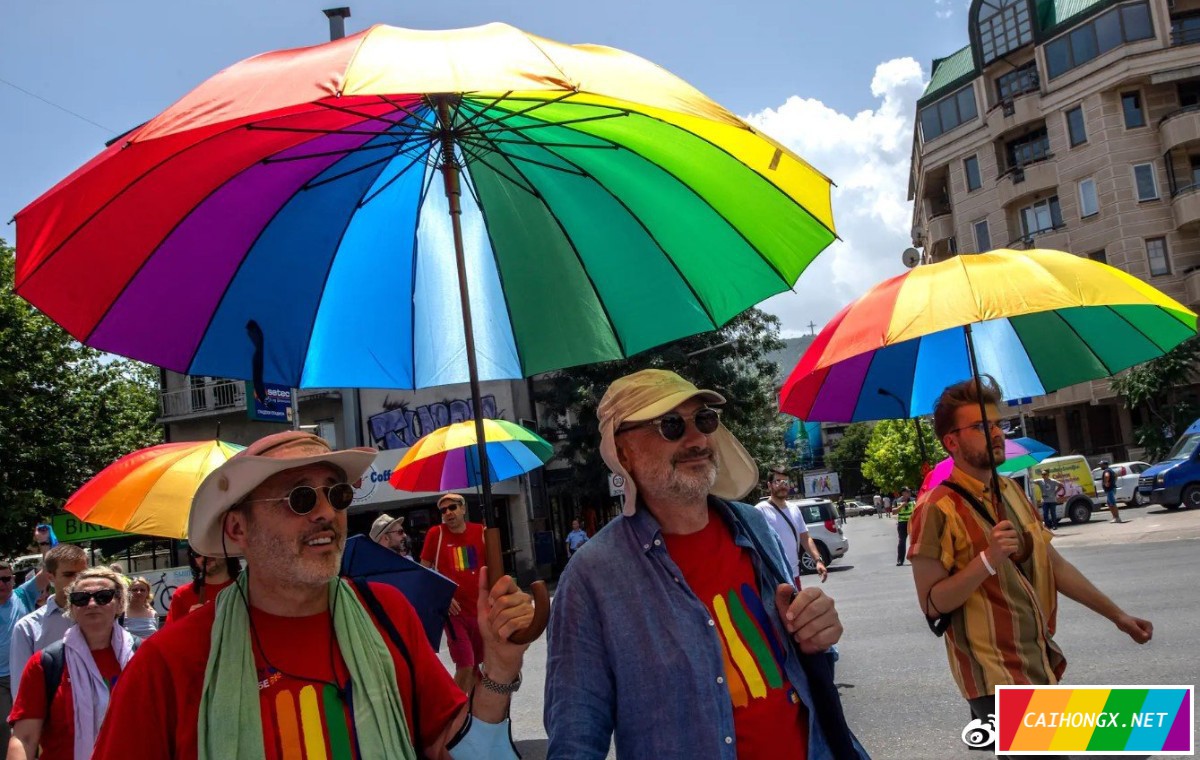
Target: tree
[
  {"x": 731, "y": 361},
  {"x": 66, "y": 412},
  {"x": 1157, "y": 390},
  {"x": 846, "y": 458},
  {"x": 893, "y": 459}
]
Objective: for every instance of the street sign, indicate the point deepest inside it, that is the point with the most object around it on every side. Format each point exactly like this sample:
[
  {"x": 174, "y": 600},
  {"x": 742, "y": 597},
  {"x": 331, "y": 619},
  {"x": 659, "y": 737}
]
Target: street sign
[
  {"x": 69, "y": 529},
  {"x": 616, "y": 484}
]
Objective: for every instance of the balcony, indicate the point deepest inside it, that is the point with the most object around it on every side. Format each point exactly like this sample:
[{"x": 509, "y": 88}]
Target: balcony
[
  {"x": 941, "y": 227},
  {"x": 1186, "y": 207},
  {"x": 202, "y": 400},
  {"x": 1180, "y": 127},
  {"x": 1191, "y": 288},
  {"x": 1027, "y": 178},
  {"x": 1011, "y": 113}
]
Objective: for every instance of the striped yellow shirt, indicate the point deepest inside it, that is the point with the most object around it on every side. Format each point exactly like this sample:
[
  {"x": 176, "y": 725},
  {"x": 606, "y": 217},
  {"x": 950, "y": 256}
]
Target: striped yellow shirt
[{"x": 1003, "y": 634}]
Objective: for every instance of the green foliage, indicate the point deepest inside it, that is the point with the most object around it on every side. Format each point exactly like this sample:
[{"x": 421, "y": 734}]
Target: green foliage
[
  {"x": 732, "y": 361},
  {"x": 1157, "y": 389},
  {"x": 846, "y": 458},
  {"x": 893, "y": 457},
  {"x": 66, "y": 412}
]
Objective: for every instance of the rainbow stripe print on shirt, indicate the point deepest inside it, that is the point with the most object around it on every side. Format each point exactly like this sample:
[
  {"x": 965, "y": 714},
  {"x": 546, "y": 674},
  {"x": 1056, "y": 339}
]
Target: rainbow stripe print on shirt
[
  {"x": 310, "y": 724},
  {"x": 465, "y": 558},
  {"x": 753, "y": 655},
  {"x": 1095, "y": 719}
]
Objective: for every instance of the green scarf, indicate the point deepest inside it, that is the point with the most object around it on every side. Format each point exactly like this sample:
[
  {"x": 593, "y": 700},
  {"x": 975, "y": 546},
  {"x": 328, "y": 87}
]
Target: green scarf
[{"x": 230, "y": 722}]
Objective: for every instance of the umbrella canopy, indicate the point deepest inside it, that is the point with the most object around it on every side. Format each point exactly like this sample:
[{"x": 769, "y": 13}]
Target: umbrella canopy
[
  {"x": 448, "y": 457},
  {"x": 150, "y": 491},
  {"x": 428, "y": 591},
  {"x": 1019, "y": 454},
  {"x": 609, "y": 207},
  {"x": 1041, "y": 320}
]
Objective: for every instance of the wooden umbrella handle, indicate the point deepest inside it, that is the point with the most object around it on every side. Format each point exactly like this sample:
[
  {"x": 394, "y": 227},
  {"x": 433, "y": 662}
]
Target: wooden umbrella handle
[{"x": 541, "y": 597}]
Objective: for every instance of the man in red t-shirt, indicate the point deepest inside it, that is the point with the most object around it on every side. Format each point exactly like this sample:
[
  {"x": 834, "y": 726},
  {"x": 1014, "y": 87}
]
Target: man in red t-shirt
[
  {"x": 210, "y": 576},
  {"x": 336, "y": 670},
  {"x": 455, "y": 549}
]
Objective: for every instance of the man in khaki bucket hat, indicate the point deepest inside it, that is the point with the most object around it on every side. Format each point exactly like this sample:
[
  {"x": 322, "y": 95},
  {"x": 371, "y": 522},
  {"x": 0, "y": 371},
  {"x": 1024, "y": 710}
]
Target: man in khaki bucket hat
[{"x": 676, "y": 627}]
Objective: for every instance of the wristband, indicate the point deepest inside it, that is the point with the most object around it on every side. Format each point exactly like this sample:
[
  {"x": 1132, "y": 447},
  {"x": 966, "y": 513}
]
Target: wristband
[{"x": 987, "y": 565}]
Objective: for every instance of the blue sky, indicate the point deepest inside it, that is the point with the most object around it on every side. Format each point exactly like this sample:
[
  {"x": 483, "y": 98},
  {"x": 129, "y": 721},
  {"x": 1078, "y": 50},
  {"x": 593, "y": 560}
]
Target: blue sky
[{"x": 834, "y": 80}]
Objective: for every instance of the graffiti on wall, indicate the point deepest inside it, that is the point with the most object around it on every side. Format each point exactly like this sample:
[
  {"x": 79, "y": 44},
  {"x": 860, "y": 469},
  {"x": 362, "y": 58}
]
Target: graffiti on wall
[{"x": 399, "y": 426}]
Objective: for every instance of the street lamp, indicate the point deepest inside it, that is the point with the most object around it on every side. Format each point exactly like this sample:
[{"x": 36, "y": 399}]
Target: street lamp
[{"x": 916, "y": 423}]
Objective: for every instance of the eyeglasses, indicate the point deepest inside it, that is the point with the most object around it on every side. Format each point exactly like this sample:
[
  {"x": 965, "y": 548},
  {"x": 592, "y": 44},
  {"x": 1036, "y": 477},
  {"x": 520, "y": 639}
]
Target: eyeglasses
[
  {"x": 451, "y": 508},
  {"x": 6, "y": 579},
  {"x": 303, "y": 499},
  {"x": 672, "y": 425},
  {"x": 1004, "y": 426},
  {"x": 83, "y": 598},
  {"x": 781, "y": 482}
]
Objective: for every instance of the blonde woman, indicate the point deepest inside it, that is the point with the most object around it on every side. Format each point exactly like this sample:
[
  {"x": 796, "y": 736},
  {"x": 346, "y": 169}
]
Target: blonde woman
[
  {"x": 87, "y": 662},
  {"x": 140, "y": 619}
]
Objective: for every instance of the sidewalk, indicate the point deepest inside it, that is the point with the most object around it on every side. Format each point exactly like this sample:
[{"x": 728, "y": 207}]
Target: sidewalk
[{"x": 1142, "y": 525}]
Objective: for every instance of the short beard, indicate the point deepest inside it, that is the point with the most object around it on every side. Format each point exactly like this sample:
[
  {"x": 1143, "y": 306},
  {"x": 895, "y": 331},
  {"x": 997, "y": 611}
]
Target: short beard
[
  {"x": 979, "y": 459},
  {"x": 275, "y": 556},
  {"x": 670, "y": 484}
]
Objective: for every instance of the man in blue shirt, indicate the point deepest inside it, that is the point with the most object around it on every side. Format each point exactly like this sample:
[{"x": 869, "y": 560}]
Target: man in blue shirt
[
  {"x": 14, "y": 605},
  {"x": 575, "y": 539},
  {"x": 678, "y": 629}
]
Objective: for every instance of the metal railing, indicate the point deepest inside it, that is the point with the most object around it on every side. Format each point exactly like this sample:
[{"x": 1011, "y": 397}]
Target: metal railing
[{"x": 219, "y": 396}]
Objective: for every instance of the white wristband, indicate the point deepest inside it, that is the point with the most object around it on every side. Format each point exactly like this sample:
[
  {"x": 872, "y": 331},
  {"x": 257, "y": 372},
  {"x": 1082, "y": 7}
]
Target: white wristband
[{"x": 987, "y": 565}]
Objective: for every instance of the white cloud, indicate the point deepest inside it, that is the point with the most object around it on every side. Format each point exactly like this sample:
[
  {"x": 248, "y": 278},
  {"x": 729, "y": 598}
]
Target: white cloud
[
  {"x": 944, "y": 8},
  {"x": 867, "y": 154}
]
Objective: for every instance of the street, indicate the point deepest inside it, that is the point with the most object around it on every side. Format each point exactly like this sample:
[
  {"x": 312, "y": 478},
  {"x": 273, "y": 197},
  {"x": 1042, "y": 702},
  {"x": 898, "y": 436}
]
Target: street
[{"x": 895, "y": 683}]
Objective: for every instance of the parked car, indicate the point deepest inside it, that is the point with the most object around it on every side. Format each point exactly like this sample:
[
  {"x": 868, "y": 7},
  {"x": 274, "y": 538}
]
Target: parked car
[
  {"x": 855, "y": 508},
  {"x": 1127, "y": 481},
  {"x": 1076, "y": 495},
  {"x": 820, "y": 516},
  {"x": 1175, "y": 481}
]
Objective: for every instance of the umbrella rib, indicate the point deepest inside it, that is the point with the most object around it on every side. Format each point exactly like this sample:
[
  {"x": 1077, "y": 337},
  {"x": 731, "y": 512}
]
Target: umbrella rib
[
  {"x": 412, "y": 162},
  {"x": 469, "y": 123},
  {"x": 578, "y": 173},
  {"x": 1071, "y": 327},
  {"x": 510, "y": 114},
  {"x": 479, "y": 156},
  {"x": 563, "y": 123},
  {"x": 608, "y": 146},
  {"x": 341, "y": 152},
  {"x": 313, "y": 130},
  {"x": 371, "y": 117},
  {"x": 1139, "y": 330}
]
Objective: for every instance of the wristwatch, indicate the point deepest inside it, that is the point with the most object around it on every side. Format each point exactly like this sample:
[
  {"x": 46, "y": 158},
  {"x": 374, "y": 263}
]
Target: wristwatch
[{"x": 495, "y": 686}]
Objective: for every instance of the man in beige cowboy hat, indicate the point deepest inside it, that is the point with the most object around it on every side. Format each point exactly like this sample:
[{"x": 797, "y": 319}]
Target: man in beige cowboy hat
[
  {"x": 647, "y": 618},
  {"x": 291, "y": 655}
]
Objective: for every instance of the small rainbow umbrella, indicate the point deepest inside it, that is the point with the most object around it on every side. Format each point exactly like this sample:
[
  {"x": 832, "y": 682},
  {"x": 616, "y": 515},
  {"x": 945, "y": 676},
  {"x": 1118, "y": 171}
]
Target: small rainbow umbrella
[
  {"x": 150, "y": 491},
  {"x": 448, "y": 458},
  {"x": 1019, "y": 454}
]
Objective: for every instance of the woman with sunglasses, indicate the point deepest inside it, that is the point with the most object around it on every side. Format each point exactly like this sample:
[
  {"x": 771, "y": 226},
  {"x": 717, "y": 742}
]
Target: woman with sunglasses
[
  {"x": 91, "y": 656},
  {"x": 209, "y": 576},
  {"x": 140, "y": 619}
]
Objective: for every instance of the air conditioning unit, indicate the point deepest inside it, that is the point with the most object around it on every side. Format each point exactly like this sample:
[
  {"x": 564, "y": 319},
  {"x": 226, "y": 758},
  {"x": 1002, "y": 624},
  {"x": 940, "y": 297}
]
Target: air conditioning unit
[
  {"x": 1018, "y": 175},
  {"x": 1008, "y": 107}
]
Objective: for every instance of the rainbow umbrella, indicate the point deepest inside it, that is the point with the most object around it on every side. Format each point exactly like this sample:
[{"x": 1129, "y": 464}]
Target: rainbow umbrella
[
  {"x": 448, "y": 457},
  {"x": 150, "y": 491},
  {"x": 1035, "y": 320},
  {"x": 1019, "y": 454}
]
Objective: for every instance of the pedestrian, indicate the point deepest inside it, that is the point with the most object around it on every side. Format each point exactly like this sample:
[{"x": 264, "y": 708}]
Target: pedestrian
[
  {"x": 841, "y": 510},
  {"x": 644, "y": 621},
  {"x": 388, "y": 532},
  {"x": 878, "y": 502},
  {"x": 1108, "y": 482},
  {"x": 986, "y": 574},
  {"x": 456, "y": 550},
  {"x": 575, "y": 539},
  {"x": 210, "y": 576},
  {"x": 787, "y": 522},
  {"x": 46, "y": 624},
  {"x": 904, "y": 510},
  {"x": 64, "y": 692},
  {"x": 1049, "y": 488},
  {"x": 292, "y": 661},
  {"x": 140, "y": 618},
  {"x": 13, "y": 607}
]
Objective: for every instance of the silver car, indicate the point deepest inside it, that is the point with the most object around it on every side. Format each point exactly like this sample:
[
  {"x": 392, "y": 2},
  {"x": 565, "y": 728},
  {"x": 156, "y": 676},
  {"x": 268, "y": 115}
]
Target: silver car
[{"x": 820, "y": 515}]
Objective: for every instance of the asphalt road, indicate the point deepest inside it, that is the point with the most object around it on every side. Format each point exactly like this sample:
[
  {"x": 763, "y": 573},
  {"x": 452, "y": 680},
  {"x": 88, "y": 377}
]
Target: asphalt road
[{"x": 895, "y": 683}]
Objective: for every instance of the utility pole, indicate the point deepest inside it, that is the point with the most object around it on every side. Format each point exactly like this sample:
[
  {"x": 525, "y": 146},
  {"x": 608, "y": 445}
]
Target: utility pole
[{"x": 337, "y": 22}]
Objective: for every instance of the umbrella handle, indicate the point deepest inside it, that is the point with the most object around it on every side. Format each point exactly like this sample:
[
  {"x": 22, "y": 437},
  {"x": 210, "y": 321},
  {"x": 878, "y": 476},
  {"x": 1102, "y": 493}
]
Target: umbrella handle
[{"x": 541, "y": 597}]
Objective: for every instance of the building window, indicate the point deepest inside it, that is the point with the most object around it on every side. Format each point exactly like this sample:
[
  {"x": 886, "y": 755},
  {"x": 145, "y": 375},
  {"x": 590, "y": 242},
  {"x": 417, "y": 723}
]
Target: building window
[
  {"x": 1103, "y": 33},
  {"x": 1156, "y": 254},
  {"x": 1042, "y": 216},
  {"x": 952, "y": 245},
  {"x": 1076, "y": 130},
  {"x": 1003, "y": 26},
  {"x": 983, "y": 238},
  {"x": 1189, "y": 93},
  {"x": 1088, "y": 204},
  {"x": 1034, "y": 146},
  {"x": 1185, "y": 30},
  {"x": 971, "y": 168},
  {"x": 947, "y": 113},
  {"x": 1099, "y": 255},
  {"x": 1017, "y": 82},
  {"x": 1131, "y": 105},
  {"x": 1146, "y": 182}
]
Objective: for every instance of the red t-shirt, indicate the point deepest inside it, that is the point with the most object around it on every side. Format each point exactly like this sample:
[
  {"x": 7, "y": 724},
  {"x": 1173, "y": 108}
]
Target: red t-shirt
[
  {"x": 58, "y": 731},
  {"x": 184, "y": 599},
  {"x": 460, "y": 558},
  {"x": 768, "y": 717},
  {"x": 159, "y": 697}
]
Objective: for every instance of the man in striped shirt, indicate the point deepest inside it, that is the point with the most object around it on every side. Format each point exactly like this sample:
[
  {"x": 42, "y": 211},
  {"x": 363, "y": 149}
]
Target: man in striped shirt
[{"x": 985, "y": 566}]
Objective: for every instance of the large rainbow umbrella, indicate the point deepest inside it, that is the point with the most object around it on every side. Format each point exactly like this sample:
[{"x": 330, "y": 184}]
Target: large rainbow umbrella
[
  {"x": 150, "y": 491},
  {"x": 448, "y": 458},
  {"x": 1038, "y": 321}
]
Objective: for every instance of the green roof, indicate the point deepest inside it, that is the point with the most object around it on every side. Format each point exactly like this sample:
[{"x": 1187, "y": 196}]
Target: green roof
[
  {"x": 949, "y": 70},
  {"x": 1051, "y": 13}
]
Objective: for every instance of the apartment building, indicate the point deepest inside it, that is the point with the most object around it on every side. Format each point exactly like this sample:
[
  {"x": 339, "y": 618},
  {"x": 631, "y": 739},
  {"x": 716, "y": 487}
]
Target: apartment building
[{"x": 1072, "y": 125}]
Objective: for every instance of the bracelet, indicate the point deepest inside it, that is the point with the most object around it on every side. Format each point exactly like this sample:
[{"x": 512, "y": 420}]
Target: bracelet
[
  {"x": 987, "y": 565},
  {"x": 497, "y": 687}
]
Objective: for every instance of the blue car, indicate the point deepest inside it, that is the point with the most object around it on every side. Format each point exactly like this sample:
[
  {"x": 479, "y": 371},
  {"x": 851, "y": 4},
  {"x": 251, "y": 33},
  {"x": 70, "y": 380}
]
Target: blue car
[{"x": 1175, "y": 481}]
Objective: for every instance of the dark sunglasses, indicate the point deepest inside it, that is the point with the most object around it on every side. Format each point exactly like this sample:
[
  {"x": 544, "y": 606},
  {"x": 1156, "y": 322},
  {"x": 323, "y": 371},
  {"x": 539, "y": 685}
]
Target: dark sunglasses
[
  {"x": 672, "y": 425},
  {"x": 303, "y": 499},
  {"x": 450, "y": 508},
  {"x": 6, "y": 579},
  {"x": 83, "y": 598}
]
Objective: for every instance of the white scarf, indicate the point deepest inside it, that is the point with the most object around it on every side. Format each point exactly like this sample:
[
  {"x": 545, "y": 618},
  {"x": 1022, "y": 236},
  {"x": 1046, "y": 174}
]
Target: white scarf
[{"x": 89, "y": 690}]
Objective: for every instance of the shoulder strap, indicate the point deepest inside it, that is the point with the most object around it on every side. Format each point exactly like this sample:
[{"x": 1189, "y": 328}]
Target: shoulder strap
[
  {"x": 389, "y": 628},
  {"x": 53, "y": 659},
  {"x": 438, "y": 554},
  {"x": 970, "y": 498},
  {"x": 783, "y": 513}
]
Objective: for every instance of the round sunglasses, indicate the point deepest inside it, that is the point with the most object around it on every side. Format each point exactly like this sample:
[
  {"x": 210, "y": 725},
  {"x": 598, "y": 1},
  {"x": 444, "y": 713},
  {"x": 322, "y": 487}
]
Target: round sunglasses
[
  {"x": 303, "y": 499},
  {"x": 83, "y": 598},
  {"x": 672, "y": 425}
]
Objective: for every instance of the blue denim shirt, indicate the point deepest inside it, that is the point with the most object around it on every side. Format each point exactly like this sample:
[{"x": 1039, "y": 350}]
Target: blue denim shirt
[{"x": 632, "y": 650}]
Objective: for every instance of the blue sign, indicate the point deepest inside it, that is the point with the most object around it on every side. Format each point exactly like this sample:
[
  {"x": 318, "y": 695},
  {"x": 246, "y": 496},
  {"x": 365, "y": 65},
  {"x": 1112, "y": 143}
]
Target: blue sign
[
  {"x": 1020, "y": 401},
  {"x": 276, "y": 407}
]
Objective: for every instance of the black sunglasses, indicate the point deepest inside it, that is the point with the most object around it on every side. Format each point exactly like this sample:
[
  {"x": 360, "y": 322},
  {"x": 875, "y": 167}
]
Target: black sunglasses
[
  {"x": 672, "y": 425},
  {"x": 450, "y": 508},
  {"x": 83, "y": 598},
  {"x": 6, "y": 579},
  {"x": 303, "y": 499}
]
